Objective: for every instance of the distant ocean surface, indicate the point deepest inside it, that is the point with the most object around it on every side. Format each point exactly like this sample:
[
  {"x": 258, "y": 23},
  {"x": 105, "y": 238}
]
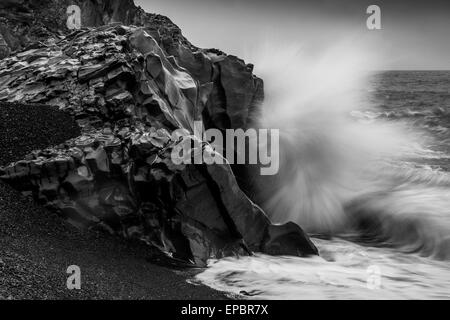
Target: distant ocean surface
[
  {"x": 420, "y": 98},
  {"x": 404, "y": 253}
]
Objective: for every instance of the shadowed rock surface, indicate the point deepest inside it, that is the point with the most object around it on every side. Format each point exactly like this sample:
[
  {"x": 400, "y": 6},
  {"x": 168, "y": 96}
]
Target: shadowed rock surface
[
  {"x": 36, "y": 246},
  {"x": 136, "y": 92},
  {"x": 23, "y": 22},
  {"x": 236, "y": 92}
]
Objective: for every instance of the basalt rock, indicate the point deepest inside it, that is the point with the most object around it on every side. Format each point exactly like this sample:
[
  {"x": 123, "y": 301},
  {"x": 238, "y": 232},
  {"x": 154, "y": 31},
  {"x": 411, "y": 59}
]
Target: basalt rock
[
  {"x": 236, "y": 92},
  {"x": 26, "y": 21},
  {"x": 4, "y": 48},
  {"x": 136, "y": 93}
]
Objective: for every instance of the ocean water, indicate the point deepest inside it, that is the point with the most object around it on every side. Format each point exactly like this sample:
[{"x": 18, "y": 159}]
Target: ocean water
[
  {"x": 422, "y": 100},
  {"x": 378, "y": 211}
]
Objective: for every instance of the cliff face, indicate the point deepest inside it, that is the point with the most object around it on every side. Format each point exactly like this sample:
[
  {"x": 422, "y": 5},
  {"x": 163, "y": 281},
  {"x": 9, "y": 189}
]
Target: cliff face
[
  {"x": 129, "y": 88},
  {"x": 236, "y": 92},
  {"x": 23, "y": 21}
]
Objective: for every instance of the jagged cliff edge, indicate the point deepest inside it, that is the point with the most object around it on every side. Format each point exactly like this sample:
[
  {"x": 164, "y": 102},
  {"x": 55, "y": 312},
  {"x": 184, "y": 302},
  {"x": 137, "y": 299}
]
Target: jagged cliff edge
[{"x": 130, "y": 79}]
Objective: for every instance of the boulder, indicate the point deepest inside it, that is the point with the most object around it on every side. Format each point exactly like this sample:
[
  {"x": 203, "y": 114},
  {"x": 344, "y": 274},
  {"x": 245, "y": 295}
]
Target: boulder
[{"x": 129, "y": 96}]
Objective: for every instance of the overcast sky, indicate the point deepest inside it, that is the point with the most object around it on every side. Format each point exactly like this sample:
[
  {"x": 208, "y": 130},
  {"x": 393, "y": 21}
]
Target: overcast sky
[{"x": 415, "y": 34}]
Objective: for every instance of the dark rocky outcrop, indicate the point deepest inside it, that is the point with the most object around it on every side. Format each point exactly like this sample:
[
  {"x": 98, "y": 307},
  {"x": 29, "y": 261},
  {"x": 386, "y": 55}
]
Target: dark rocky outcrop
[
  {"x": 236, "y": 92},
  {"x": 27, "y": 21},
  {"x": 130, "y": 88}
]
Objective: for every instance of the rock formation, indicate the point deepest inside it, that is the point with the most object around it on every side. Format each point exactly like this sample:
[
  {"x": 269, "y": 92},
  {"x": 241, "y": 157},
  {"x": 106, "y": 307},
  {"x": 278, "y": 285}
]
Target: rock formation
[
  {"x": 236, "y": 91},
  {"x": 130, "y": 88}
]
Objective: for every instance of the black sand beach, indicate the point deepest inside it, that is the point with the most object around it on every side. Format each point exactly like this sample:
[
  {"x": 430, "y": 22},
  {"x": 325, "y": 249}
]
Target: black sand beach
[{"x": 36, "y": 246}]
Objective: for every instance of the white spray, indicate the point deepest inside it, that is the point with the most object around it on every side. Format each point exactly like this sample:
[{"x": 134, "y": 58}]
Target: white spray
[{"x": 331, "y": 164}]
